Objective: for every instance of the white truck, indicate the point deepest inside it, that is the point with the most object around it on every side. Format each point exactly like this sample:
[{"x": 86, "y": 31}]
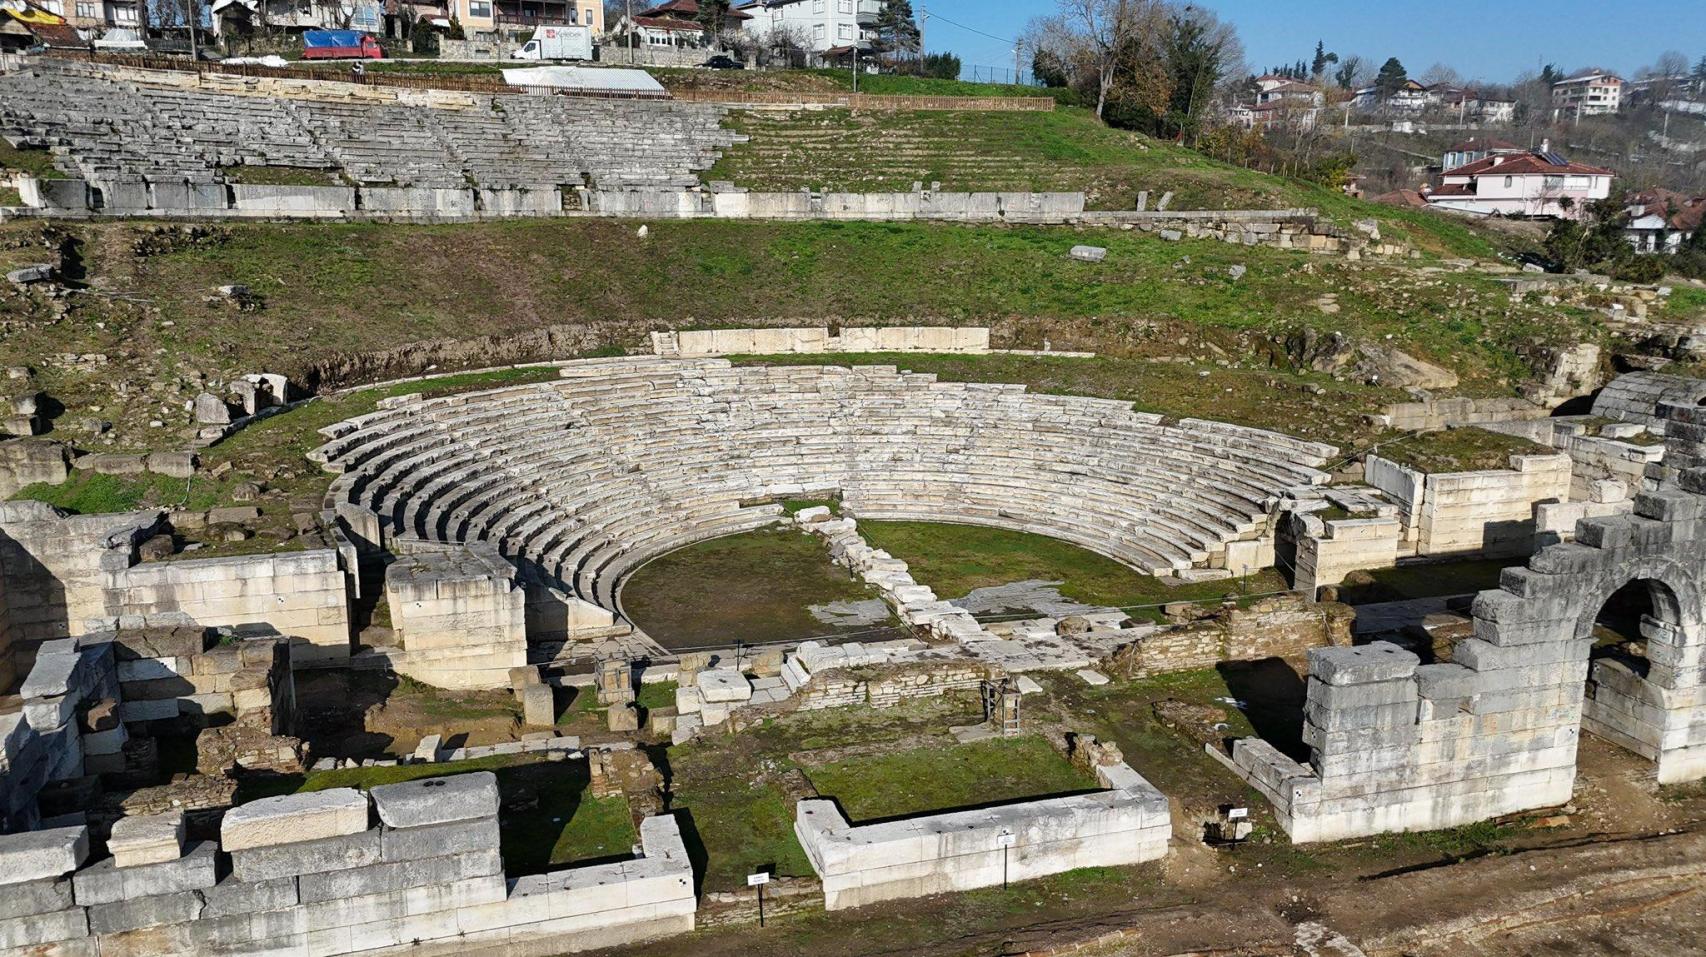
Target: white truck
[{"x": 557, "y": 43}]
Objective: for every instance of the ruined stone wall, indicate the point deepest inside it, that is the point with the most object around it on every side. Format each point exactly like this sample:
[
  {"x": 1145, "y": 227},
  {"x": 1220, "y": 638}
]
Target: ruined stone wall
[
  {"x": 819, "y": 339},
  {"x": 53, "y": 574},
  {"x": 1282, "y": 626},
  {"x": 1397, "y": 745},
  {"x": 1435, "y": 414},
  {"x": 315, "y": 873},
  {"x": 1329, "y": 550},
  {"x": 883, "y": 687},
  {"x": 301, "y": 594},
  {"x": 1489, "y": 512},
  {"x": 1025, "y": 207},
  {"x": 460, "y": 614},
  {"x": 915, "y": 857}
]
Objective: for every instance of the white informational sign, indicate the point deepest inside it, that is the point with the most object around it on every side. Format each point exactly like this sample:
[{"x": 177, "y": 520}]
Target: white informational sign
[
  {"x": 754, "y": 880},
  {"x": 1006, "y": 840},
  {"x": 1237, "y": 813}
]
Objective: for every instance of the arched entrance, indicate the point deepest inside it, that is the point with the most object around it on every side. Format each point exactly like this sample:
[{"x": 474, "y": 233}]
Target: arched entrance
[{"x": 1625, "y": 701}]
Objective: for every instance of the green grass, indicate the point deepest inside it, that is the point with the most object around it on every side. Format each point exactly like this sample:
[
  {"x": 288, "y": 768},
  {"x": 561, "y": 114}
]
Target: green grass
[
  {"x": 601, "y": 827},
  {"x": 656, "y": 694},
  {"x": 89, "y": 493},
  {"x": 35, "y": 162},
  {"x": 754, "y": 587},
  {"x": 279, "y": 176},
  {"x": 1685, "y": 301},
  {"x": 939, "y": 779},
  {"x": 368, "y": 778},
  {"x": 955, "y": 559},
  {"x": 10, "y": 197},
  {"x": 1460, "y": 450}
]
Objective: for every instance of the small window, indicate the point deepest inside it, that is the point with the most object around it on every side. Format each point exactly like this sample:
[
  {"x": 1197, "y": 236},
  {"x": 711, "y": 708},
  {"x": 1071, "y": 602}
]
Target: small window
[
  {"x": 817, "y": 31},
  {"x": 1508, "y": 181},
  {"x": 124, "y": 14},
  {"x": 88, "y": 10},
  {"x": 1554, "y": 182},
  {"x": 479, "y": 9},
  {"x": 844, "y": 31},
  {"x": 845, "y": 6},
  {"x": 817, "y": 6}
]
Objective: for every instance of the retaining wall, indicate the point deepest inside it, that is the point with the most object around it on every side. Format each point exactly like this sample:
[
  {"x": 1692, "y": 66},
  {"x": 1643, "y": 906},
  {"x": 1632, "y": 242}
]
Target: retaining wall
[
  {"x": 317, "y": 874},
  {"x": 1127, "y": 824},
  {"x": 812, "y": 340},
  {"x": 1022, "y": 207},
  {"x": 1281, "y": 626},
  {"x": 1330, "y": 549},
  {"x": 1490, "y": 512}
]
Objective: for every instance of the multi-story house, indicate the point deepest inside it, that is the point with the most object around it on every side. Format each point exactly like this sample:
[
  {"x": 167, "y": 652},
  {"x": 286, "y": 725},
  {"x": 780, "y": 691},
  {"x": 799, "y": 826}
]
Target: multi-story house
[
  {"x": 1661, "y": 220},
  {"x": 91, "y": 17},
  {"x": 297, "y": 15},
  {"x": 822, "y": 26},
  {"x": 1540, "y": 184},
  {"x": 523, "y": 16},
  {"x": 1587, "y": 93},
  {"x": 1477, "y": 148}
]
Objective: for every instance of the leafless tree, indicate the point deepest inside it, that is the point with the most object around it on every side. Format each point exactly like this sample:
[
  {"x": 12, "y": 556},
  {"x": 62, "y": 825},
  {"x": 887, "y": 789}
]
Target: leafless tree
[{"x": 1105, "y": 31}]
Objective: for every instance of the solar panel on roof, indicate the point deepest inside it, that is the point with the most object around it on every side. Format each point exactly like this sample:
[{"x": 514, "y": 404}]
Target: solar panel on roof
[{"x": 1554, "y": 159}]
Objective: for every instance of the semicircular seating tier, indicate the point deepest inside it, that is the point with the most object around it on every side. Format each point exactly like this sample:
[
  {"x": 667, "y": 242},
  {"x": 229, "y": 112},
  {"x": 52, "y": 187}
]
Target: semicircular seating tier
[
  {"x": 110, "y": 126},
  {"x": 587, "y": 477}
]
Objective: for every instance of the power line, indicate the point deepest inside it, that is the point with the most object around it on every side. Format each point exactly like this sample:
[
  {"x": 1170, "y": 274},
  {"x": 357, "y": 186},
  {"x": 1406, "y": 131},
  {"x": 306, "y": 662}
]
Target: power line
[{"x": 975, "y": 30}]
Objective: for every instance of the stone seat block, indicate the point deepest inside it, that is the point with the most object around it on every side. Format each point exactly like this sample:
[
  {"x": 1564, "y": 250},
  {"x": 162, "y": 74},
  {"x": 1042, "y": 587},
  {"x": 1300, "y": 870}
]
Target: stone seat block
[
  {"x": 104, "y": 882},
  {"x": 428, "y": 801},
  {"x": 294, "y": 818},
  {"x": 36, "y": 855}
]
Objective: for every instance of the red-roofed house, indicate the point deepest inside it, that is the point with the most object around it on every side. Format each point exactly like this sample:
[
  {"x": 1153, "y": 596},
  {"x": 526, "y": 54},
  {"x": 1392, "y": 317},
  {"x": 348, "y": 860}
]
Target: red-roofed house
[
  {"x": 1661, "y": 220},
  {"x": 1538, "y": 184},
  {"x": 674, "y": 23},
  {"x": 1475, "y": 148}
]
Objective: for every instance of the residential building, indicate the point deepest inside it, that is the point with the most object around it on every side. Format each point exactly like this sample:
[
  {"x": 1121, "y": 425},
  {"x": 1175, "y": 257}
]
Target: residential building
[
  {"x": 1661, "y": 220},
  {"x": 243, "y": 16},
  {"x": 1411, "y": 98},
  {"x": 674, "y": 25},
  {"x": 524, "y": 16},
  {"x": 1470, "y": 106},
  {"x": 1587, "y": 93},
  {"x": 1476, "y": 148},
  {"x": 24, "y": 25},
  {"x": 1540, "y": 184},
  {"x": 824, "y": 27},
  {"x": 1278, "y": 114},
  {"x": 90, "y": 18}
]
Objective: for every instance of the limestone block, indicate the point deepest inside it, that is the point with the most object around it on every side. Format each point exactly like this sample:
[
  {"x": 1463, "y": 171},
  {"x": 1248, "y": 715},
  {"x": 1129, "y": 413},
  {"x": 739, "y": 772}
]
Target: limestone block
[
  {"x": 35, "y": 855},
  {"x": 428, "y": 801},
  {"x": 231, "y": 897},
  {"x": 1089, "y": 254},
  {"x": 37, "y": 929},
  {"x": 104, "y": 882},
  {"x": 294, "y": 818},
  {"x": 135, "y": 913},
  {"x": 1377, "y": 661},
  {"x": 147, "y": 839},
  {"x": 538, "y": 705},
  {"x": 687, "y": 700},
  {"x": 723, "y": 685},
  {"x": 622, "y": 716},
  {"x": 35, "y": 897},
  {"x": 306, "y": 857},
  {"x": 437, "y": 840},
  {"x": 384, "y": 878}
]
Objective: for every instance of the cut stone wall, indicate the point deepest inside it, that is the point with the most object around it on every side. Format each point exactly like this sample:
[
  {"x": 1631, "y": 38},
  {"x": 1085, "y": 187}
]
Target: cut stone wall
[
  {"x": 1488, "y": 512},
  {"x": 1396, "y": 745},
  {"x": 315, "y": 874},
  {"x": 54, "y": 572},
  {"x": 726, "y": 342},
  {"x": 301, "y": 594},
  {"x": 1282, "y": 626},
  {"x": 1435, "y": 414},
  {"x": 459, "y": 613},
  {"x": 1127, "y": 824},
  {"x": 1330, "y": 549},
  {"x": 1019, "y": 207}
]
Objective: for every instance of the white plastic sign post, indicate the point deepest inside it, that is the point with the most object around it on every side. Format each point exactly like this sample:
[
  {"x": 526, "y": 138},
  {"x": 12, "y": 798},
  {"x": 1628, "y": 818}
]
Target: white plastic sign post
[
  {"x": 762, "y": 877},
  {"x": 1237, "y": 813},
  {"x": 1006, "y": 840}
]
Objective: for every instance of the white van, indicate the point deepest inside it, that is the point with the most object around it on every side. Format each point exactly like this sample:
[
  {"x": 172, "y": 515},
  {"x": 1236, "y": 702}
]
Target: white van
[{"x": 557, "y": 43}]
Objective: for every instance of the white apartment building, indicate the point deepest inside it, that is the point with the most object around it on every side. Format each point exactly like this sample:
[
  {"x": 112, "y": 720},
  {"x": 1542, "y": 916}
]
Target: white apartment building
[
  {"x": 823, "y": 25},
  {"x": 1588, "y": 93}
]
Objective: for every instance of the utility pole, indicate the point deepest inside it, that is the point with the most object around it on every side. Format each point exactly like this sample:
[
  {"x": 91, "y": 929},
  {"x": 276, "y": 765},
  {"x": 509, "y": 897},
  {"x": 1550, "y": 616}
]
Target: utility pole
[
  {"x": 923, "y": 21},
  {"x": 190, "y": 12},
  {"x": 1015, "y": 64}
]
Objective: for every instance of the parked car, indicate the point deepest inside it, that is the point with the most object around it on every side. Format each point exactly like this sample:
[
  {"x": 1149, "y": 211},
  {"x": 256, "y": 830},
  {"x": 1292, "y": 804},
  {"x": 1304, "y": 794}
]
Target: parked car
[{"x": 721, "y": 62}]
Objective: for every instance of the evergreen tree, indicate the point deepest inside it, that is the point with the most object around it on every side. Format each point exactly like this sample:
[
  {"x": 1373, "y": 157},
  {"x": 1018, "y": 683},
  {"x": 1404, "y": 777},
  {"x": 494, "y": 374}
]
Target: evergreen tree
[
  {"x": 1322, "y": 58},
  {"x": 1391, "y": 78},
  {"x": 897, "y": 31},
  {"x": 712, "y": 16}
]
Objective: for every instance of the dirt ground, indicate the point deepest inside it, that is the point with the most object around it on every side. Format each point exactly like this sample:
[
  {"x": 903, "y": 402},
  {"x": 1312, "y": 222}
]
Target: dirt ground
[{"x": 1621, "y": 870}]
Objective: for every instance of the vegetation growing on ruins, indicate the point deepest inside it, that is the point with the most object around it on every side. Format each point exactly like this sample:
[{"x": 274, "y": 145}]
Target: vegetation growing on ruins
[
  {"x": 35, "y": 162},
  {"x": 1459, "y": 450},
  {"x": 755, "y": 587},
  {"x": 898, "y": 783},
  {"x": 1428, "y": 580},
  {"x": 955, "y": 559}
]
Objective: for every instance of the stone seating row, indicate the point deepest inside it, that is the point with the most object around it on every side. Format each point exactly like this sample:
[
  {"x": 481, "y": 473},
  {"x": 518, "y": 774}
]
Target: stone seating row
[
  {"x": 104, "y": 129},
  {"x": 621, "y": 460}
]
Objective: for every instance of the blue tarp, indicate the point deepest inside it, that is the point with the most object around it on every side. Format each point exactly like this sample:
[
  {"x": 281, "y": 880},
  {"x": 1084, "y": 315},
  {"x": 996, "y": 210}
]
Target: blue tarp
[{"x": 331, "y": 38}]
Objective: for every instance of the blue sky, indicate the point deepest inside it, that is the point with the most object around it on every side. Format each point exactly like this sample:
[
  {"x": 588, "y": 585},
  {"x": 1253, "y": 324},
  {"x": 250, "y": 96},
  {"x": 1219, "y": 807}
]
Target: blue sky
[{"x": 1488, "y": 41}]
